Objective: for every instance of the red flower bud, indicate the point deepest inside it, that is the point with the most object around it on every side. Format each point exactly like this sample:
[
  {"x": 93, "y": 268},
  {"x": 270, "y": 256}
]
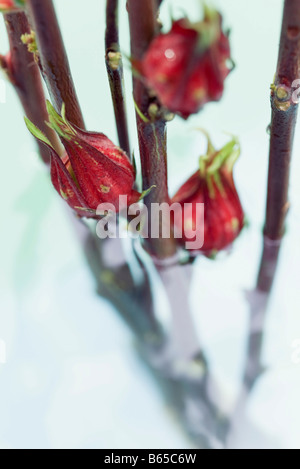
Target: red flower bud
[
  {"x": 214, "y": 187},
  {"x": 10, "y": 5},
  {"x": 94, "y": 170},
  {"x": 187, "y": 66}
]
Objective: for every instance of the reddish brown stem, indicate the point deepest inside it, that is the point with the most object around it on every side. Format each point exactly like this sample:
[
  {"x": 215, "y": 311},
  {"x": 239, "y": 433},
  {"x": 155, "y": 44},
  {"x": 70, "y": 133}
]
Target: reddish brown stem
[
  {"x": 151, "y": 133},
  {"x": 54, "y": 61},
  {"x": 114, "y": 65},
  {"x": 268, "y": 266},
  {"x": 24, "y": 75},
  {"x": 284, "y": 116}
]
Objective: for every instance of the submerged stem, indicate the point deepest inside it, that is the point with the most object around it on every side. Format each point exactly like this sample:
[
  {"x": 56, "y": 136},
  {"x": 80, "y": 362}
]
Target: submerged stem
[{"x": 284, "y": 117}]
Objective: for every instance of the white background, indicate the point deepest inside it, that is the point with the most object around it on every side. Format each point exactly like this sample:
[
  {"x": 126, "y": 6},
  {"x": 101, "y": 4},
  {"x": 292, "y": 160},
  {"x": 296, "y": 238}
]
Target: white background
[{"x": 71, "y": 377}]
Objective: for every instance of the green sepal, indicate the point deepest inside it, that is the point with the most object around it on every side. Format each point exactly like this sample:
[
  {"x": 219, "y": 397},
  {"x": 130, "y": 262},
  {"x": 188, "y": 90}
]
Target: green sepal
[
  {"x": 226, "y": 156},
  {"x": 232, "y": 159},
  {"x": 214, "y": 161},
  {"x": 60, "y": 123},
  {"x": 140, "y": 114},
  {"x": 37, "y": 133},
  {"x": 210, "y": 148},
  {"x": 210, "y": 186},
  {"x": 208, "y": 29},
  {"x": 146, "y": 192},
  {"x": 217, "y": 179}
]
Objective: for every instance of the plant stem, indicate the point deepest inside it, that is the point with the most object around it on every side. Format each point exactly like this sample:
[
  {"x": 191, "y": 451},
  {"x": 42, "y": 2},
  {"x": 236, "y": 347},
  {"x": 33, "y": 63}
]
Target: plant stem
[
  {"x": 24, "y": 75},
  {"x": 146, "y": 317},
  {"x": 152, "y": 131},
  {"x": 54, "y": 60},
  {"x": 114, "y": 65},
  {"x": 284, "y": 117}
]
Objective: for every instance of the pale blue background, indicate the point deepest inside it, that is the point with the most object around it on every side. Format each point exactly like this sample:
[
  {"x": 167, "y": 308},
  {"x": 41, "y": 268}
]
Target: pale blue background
[{"x": 72, "y": 378}]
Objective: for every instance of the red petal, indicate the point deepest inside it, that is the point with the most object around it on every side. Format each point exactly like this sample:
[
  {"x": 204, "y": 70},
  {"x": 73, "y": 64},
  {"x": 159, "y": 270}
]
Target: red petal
[
  {"x": 66, "y": 187},
  {"x": 102, "y": 143},
  {"x": 184, "y": 78},
  {"x": 220, "y": 212},
  {"x": 102, "y": 178},
  {"x": 188, "y": 189}
]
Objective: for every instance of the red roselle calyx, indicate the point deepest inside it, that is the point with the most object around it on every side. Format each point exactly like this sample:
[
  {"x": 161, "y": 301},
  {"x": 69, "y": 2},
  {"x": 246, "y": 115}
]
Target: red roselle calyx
[
  {"x": 213, "y": 186},
  {"x": 94, "y": 171},
  {"x": 186, "y": 67},
  {"x": 7, "y": 6}
]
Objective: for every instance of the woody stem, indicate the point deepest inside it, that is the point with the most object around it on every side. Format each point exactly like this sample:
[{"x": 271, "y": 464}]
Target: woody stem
[
  {"x": 114, "y": 65},
  {"x": 54, "y": 60},
  {"x": 284, "y": 116},
  {"x": 151, "y": 131},
  {"x": 25, "y": 77}
]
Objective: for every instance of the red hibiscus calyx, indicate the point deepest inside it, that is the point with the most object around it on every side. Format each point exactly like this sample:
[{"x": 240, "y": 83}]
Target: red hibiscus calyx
[
  {"x": 213, "y": 186},
  {"x": 186, "y": 67},
  {"x": 93, "y": 171}
]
